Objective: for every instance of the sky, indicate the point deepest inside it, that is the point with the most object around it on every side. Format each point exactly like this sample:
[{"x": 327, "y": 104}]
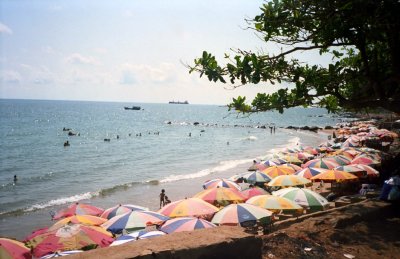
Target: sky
[{"x": 120, "y": 50}]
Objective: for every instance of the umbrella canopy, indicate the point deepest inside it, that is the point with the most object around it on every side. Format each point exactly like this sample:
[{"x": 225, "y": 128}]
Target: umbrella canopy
[
  {"x": 274, "y": 171},
  {"x": 275, "y": 161},
  {"x": 59, "y": 254},
  {"x": 185, "y": 224},
  {"x": 309, "y": 172},
  {"x": 70, "y": 237},
  {"x": 340, "y": 159},
  {"x": 241, "y": 214},
  {"x": 295, "y": 167},
  {"x": 10, "y": 249},
  {"x": 134, "y": 220},
  {"x": 292, "y": 158},
  {"x": 221, "y": 183},
  {"x": 120, "y": 209},
  {"x": 79, "y": 209},
  {"x": 304, "y": 197},
  {"x": 220, "y": 196},
  {"x": 371, "y": 172},
  {"x": 274, "y": 203},
  {"x": 353, "y": 170},
  {"x": 78, "y": 219},
  {"x": 289, "y": 180},
  {"x": 190, "y": 207},
  {"x": 253, "y": 191},
  {"x": 35, "y": 233},
  {"x": 142, "y": 234},
  {"x": 256, "y": 177},
  {"x": 321, "y": 163},
  {"x": 334, "y": 176},
  {"x": 364, "y": 160}
]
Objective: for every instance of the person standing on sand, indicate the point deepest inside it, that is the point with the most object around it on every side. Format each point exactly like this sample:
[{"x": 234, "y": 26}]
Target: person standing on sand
[{"x": 162, "y": 198}]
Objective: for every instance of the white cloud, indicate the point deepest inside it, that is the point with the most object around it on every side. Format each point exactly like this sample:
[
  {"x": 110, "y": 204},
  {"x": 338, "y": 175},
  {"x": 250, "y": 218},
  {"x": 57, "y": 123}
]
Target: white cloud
[
  {"x": 132, "y": 74},
  {"x": 10, "y": 77},
  {"x": 79, "y": 59},
  {"x": 5, "y": 29}
]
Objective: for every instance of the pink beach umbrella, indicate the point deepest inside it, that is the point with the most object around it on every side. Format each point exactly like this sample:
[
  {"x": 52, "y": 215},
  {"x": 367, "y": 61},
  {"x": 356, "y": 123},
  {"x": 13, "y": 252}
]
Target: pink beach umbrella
[
  {"x": 190, "y": 207},
  {"x": 364, "y": 160},
  {"x": 253, "y": 191},
  {"x": 221, "y": 182},
  {"x": 13, "y": 249},
  {"x": 321, "y": 163},
  {"x": 309, "y": 172},
  {"x": 121, "y": 209},
  {"x": 185, "y": 224},
  {"x": 79, "y": 209},
  {"x": 371, "y": 172}
]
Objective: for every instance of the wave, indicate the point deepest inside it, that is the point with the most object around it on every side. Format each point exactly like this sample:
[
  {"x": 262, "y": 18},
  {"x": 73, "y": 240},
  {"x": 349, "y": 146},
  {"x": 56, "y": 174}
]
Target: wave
[
  {"x": 252, "y": 138},
  {"x": 223, "y": 166}
]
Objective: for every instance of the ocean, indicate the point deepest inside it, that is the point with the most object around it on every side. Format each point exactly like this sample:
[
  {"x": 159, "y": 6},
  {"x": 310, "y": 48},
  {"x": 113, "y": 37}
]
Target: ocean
[{"x": 170, "y": 146}]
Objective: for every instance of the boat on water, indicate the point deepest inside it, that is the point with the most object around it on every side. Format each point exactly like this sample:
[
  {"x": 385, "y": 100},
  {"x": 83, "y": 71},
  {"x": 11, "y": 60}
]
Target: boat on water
[
  {"x": 178, "y": 102},
  {"x": 132, "y": 108}
]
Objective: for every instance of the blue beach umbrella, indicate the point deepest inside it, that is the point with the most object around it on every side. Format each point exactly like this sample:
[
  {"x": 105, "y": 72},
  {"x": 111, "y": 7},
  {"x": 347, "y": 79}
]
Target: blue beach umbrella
[
  {"x": 121, "y": 209},
  {"x": 256, "y": 177},
  {"x": 133, "y": 220},
  {"x": 185, "y": 224}
]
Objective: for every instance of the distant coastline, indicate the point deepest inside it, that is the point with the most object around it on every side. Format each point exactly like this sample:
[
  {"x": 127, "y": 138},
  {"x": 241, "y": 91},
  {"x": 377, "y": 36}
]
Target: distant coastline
[{"x": 178, "y": 102}]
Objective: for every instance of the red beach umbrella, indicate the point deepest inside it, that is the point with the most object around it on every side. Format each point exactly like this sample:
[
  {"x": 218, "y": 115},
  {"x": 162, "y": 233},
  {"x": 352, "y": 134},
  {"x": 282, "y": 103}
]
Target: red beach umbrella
[
  {"x": 13, "y": 249},
  {"x": 253, "y": 191},
  {"x": 79, "y": 209}
]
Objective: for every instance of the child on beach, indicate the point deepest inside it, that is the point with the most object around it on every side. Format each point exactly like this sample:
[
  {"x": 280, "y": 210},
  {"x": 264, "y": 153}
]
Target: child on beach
[{"x": 162, "y": 198}]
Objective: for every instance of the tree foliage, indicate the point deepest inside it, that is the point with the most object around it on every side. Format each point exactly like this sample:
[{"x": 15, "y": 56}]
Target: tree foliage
[{"x": 362, "y": 36}]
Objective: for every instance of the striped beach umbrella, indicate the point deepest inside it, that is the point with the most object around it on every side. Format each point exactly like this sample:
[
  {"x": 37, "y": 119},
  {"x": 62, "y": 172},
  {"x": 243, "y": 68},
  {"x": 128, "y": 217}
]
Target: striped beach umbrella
[
  {"x": 321, "y": 163},
  {"x": 275, "y": 171},
  {"x": 364, "y": 160},
  {"x": 304, "y": 197},
  {"x": 189, "y": 207},
  {"x": 79, "y": 219},
  {"x": 371, "y": 172},
  {"x": 214, "y": 183},
  {"x": 309, "y": 172},
  {"x": 334, "y": 176},
  {"x": 353, "y": 170},
  {"x": 70, "y": 237},
  {"x": 142, "y": 234},
  {"x": 274, "y": 203},
  {"x": 79, "y": 209},
  {"x": 185, "y": 224},
  {"x": 10, "y": 249},
  {"x": 241, "y": 214},
  {"x": 292, "y": 158},
  {"x": 220, "y": 196},
  {"x": 289, "y": 180},
  {"x": 253, "y": 191},
  {"x": 275, "y": 161},
  {"x": 134, "y": 220},
  {"x": 340, "y": 159},
  {"x": 256, "y": 177},
  {"x": 120, "y": 209},
  {"x": 295, "y": 167}
]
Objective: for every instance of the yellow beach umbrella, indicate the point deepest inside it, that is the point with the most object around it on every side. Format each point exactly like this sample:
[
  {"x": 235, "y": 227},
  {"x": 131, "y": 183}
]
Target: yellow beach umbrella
[
  {"x": 330, "y": 176},
  {"x": 88, "y": 220},
  {"x": 274, "y": 171},
  {"x": 289, "y": 180},
  {"x": 274, "y": 203}
]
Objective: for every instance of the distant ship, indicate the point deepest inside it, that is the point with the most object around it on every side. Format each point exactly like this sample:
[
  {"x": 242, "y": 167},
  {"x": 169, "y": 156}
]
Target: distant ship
[
  {"x": 178, "y": 102},
  {"x": 132, "y": 108}
]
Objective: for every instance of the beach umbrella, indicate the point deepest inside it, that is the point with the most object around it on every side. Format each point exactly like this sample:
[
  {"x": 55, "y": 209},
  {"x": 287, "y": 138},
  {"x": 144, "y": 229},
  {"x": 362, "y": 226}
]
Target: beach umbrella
[
  {"x": 352, "y": 169},
  {"x": 142, "y": 234},
  {"x": 289, "y": 180},
  {"x": 256, "y": 177},
  {"x": 371, "y": 172},
  {"x": 70, "y": 237},
  {"x": 321, "y": 163},
  {"x": 334, "y": 176},
  {"x": 340, "y": 159},
  {"x": 303, "y": 197},
  {"x": 60, "y": 253},
  {"x": 11, "y": 249},
  {"x": 35, "y": 233},
  {"x": 275, "y": 161},
  {"x": 274, "y": 171},
  {"x": 134, "y": 220},
  {"x": 189, "y": 207},
  {"x": 185, "y": 224},
  {"x": 253, "y": 191},
  {"x": 241, "y": 214},
  {"x": 79, "y": 219},
  {"x": 120, "y": 209},
  {"x": 220, "y": 183},
  {"x": 353, "y": 141},
  {"x": 309, "y": 172},
  {"x": 292, "y": 158},
  {"x": 79, "y": 209},
  {"x": 220, "y": 196},
  {"x": 236, "y": 178},
  {"x": 274, "y": 203},
  {"x": 364, "y": 160},
  {"x": 293, "y": 166}
]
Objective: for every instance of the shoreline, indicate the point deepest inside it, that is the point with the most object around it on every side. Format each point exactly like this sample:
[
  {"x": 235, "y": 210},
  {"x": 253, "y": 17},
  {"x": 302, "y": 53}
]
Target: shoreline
[{"x": 30, "y": 221}]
